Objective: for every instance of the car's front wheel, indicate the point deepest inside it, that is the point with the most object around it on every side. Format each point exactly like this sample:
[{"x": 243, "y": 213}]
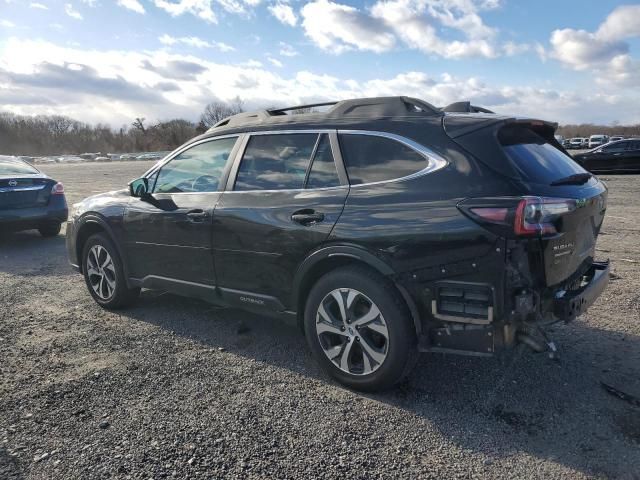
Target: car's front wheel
[
  {"x": 104, "y": 275},
  {"x": 360, "y": 329}
]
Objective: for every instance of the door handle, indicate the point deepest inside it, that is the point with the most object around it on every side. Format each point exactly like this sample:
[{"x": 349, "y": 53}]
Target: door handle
[
  {"x": 307, "y": 217},
  {"x": 197, "y": 215}
]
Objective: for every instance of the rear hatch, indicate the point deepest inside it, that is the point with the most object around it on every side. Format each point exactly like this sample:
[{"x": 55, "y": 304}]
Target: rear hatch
[
  {"x": 22, "y": 186},
  {"x": 559, "y": 205}
]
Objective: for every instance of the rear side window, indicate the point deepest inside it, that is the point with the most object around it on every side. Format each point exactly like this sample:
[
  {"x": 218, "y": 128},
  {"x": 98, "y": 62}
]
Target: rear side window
[
  {"x": 370, "y": 158},
  {"x": 537, "y": 160},
  {"x": 275, "y": 162},
  {"x": 323, "y": 171}
]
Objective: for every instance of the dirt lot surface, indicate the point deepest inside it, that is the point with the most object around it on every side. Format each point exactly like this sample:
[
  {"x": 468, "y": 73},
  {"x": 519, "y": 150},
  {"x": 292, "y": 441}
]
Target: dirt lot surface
[{"x": 178, "y": 388}]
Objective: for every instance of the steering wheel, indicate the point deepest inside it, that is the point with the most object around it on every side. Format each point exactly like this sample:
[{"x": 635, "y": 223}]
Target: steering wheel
[{"x": 204, "y": 183}]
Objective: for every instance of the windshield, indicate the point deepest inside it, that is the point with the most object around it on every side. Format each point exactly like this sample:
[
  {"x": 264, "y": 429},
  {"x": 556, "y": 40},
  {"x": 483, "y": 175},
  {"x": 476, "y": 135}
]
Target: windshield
[
  {"x": 537, "y": 160},
  {"x": 15, "y": 167}
]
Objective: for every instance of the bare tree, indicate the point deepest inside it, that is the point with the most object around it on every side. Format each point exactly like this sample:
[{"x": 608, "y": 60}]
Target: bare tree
[
  {"x": 216, "y": 111},
  {"x": 139, "y": 124}
]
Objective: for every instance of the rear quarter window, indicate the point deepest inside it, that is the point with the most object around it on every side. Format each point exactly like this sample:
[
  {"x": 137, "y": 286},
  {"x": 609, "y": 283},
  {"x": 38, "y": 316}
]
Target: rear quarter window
[
  {"x": 536, "y": 159},
  {"x": 371, "y": 158}
]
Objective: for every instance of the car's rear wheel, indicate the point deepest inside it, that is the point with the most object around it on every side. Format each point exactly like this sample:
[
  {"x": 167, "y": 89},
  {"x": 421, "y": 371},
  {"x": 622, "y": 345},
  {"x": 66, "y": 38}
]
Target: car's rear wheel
[
  {"x": 360, "y": 329},
  {"x": 104, "y": 275},
  {"x": 50, "y": 229}
]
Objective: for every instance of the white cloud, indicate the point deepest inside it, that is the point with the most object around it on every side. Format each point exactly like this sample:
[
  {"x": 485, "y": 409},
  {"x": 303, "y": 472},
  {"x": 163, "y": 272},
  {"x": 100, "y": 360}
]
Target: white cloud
[
  {"x": 195, "y": 42},
  {"x": 251, "y": 64},
  {"x": 337, "y": 27},
  {"x": 73, "y": 13},
  {"x": 275, "y": 62},
  {"x": 39, "y": 6},
  {"x": 115, "y": 86},
  {"x": 284, "y": 13},
  {"x": 605, "y": 51},
  {"x": 133, "y": 5},
  {"x": 6, "y": 23},
  {"x": 287, "y": 50},
  {"x": 203, "y": 9},
  {"x": 623, "y": 22},
  {"x": 199, "y": 8}
]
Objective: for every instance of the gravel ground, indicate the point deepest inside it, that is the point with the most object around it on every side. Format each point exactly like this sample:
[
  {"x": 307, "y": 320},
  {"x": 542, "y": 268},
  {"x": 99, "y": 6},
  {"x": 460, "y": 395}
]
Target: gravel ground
[{"x": 178, "y": 388}]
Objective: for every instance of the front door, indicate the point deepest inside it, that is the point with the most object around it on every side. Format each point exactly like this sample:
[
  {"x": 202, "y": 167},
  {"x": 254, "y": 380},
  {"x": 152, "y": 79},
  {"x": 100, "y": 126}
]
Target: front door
[
  {"x": 281, "y": 202},
  {"x": 168, "y": 236}
]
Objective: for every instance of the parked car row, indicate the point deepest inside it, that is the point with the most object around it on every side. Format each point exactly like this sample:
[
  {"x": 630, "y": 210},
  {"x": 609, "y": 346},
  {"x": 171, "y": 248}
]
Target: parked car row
[{"x": 583, "y": 143}]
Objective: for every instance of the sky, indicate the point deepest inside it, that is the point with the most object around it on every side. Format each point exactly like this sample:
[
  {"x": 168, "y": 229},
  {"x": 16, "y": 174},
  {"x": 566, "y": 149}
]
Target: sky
[{"x": 110, "y": 61}]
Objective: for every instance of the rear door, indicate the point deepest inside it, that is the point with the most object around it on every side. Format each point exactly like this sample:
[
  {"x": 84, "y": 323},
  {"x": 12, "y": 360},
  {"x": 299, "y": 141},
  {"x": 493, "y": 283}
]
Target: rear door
[
  {"x": 168, "y": 236},
  {"x": 282, "y": 200}
]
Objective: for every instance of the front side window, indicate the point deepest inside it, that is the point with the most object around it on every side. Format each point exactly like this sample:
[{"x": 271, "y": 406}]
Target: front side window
[
  {"x": 370, "y": 158},
  {"x": 197, "y": 169},
  {"x": 275, "y": 162}
]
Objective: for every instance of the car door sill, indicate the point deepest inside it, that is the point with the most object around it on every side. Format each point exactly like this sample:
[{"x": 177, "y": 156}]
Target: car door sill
[{"x": 265, "y": 304}]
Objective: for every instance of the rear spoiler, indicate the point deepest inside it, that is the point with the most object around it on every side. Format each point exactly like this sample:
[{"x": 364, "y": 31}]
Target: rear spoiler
[
  {"x": 478, "y": 133},
  {"x": 458, "y": 125}
]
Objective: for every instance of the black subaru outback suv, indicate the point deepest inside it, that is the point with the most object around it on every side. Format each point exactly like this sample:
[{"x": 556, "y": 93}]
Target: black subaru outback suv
[{"x": 383, "y": 226}]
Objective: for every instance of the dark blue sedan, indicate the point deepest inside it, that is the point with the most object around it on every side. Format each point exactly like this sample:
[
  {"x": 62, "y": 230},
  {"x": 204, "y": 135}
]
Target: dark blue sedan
[{"x": 29, "y": 199}]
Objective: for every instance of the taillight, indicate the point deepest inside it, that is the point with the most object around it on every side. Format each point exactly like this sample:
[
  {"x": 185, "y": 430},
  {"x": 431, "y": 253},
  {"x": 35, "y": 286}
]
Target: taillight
[
  {"x": 57, "y": 189},
  {"x": 518, "y": 216},
  {"x": 536, "y": 215}
]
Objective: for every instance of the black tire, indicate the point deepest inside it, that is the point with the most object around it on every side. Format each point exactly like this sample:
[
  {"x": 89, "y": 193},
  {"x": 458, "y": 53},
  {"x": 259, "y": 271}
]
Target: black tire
[
  {"x": 121, "y": 296},
  {"x": 50, "y": 229},
  {"x": 400, "y": 344}
]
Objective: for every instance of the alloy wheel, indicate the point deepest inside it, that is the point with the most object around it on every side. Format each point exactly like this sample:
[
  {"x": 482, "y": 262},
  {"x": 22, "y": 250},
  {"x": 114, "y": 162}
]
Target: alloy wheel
[
  {"x": 352, "y": 331},
  {"x": 101, "y": 272}
]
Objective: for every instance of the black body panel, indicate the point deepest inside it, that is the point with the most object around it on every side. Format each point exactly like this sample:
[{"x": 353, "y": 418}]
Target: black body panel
[
  {"x": 170, "y": 236},
  {"x": 262, "y": 250},
  {"x": 257, "y": 244}
]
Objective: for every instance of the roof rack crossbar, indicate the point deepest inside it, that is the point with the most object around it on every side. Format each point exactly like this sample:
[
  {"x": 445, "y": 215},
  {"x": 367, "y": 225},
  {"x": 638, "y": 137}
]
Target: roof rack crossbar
[{"x": 299, "y": 107}]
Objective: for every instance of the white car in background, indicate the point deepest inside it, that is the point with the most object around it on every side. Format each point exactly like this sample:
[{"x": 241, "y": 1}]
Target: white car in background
[
  {"x": 597, "y": 140},
  {"x": 576, "y": 143}
]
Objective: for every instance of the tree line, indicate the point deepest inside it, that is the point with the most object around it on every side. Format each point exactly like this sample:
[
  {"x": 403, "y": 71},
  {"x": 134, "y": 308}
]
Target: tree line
[
  {"x": 60, "y": 135},
  {"x": 588, "y": 129}
]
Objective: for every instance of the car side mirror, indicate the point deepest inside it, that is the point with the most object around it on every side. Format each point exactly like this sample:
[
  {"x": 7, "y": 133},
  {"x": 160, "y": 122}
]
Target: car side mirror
[{"x": 139, "y": 188}]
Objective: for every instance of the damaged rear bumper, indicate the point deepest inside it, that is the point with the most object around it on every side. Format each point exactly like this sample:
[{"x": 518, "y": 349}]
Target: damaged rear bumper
[{"x": 568, "y": 305}]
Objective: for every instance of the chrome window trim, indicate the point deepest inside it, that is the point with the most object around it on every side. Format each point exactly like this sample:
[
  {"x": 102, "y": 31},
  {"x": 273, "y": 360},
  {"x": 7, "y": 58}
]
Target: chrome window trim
[{"x": 434, "y": 161}]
